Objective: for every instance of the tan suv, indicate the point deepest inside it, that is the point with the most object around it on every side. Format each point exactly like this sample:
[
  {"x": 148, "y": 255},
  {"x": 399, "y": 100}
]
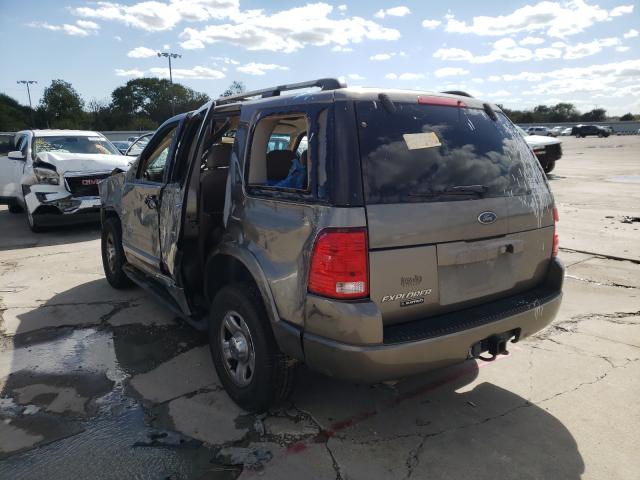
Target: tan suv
[{"x": 371, "y": 234}]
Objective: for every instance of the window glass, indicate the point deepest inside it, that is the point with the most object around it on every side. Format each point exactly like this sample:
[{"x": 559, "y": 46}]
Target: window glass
[
  {"x": 136, "y": 148},
  {"x": 421, "y": 152},
  {"x": 74, "y": 144},
  {"x": 274, "y": 163},
  {"x": 155, "y": 163},
  {"x": 303, "y": 145}
]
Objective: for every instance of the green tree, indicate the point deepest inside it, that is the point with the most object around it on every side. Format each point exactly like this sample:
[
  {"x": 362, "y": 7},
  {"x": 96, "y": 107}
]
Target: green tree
[
  {"x": 627, "y": 117},
  {"x": 563, "y": 112},
  {"x": 61, "y": 106},
  {"x": 233, "y": 89},
  {"x": 13, "y": 116},
  {"x": 595, "y": 115},
  {"x": 145, "y": 103}
]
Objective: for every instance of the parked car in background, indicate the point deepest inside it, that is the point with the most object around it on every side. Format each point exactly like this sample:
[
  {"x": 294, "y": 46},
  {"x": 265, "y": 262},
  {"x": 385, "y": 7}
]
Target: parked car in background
[
  {"x": 53, "y": 175},
  {"x": 544, "y": 131},
  {"x": 547, "y": 150},
  {"x": 581, "y": 131},
  {"x": 608, "y": 128},
  {"x": 132, "y": 139},
  {"x": 414, "y": 230},
  {"x": 556, "y": 131},
  {"x": 138, "y": 145},
  {"x": 566, "y": 132},
  {"x": 122, "y": 145}
]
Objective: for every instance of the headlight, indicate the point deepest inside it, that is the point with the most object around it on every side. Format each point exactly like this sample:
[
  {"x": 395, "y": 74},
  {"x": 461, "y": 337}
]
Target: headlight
[{"x": 46, "y": 176}]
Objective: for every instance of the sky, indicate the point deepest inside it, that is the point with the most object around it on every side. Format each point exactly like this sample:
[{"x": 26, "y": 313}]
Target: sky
[{"x": 516, "y": 53}]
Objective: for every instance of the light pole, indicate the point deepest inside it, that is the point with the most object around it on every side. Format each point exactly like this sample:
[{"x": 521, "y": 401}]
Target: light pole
[
  {"x": 27, "y": 83},
  {"x": 169, "y": 56}
]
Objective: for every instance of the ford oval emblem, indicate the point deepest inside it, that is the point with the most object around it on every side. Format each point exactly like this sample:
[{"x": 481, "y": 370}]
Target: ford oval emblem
[{"x": 487, "y": 218}]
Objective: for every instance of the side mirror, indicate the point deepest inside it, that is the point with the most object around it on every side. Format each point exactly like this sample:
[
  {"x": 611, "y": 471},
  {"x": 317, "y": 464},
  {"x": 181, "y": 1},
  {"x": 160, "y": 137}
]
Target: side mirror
[{"x": 16, "y": 155}]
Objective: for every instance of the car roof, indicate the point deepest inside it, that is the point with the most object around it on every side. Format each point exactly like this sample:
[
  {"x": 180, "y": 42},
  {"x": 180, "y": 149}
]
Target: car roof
[{"x": 61, "y": 132}]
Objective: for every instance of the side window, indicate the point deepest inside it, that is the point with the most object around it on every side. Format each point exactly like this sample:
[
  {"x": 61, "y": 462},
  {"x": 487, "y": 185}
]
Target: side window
[
  {"x": 275, "y": 162},
  {"x": 153, "y": 166},
  {"x": 22, "y": 144}
]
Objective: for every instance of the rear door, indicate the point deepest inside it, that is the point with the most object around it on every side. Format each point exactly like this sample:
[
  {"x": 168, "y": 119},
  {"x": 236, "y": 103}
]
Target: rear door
[{"x": 458, "y": 209}]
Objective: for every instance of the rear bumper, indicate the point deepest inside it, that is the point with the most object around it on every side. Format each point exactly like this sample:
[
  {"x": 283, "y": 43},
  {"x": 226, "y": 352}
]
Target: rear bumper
[{"x": 419, "y": 347}]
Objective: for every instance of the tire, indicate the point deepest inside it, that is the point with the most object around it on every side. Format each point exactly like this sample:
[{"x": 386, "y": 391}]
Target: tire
[
  {"x": 268, "y": 379},
  {"x": 113, "y": 258},
  {"x": 15, "y": 208},
  {"x": 548, "y": 168},
  {"x": 33, "y": 222}
]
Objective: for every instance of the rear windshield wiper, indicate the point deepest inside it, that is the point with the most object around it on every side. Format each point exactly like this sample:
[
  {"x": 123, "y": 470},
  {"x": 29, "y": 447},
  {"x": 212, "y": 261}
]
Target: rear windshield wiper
[{"x": 478, "y": 190}]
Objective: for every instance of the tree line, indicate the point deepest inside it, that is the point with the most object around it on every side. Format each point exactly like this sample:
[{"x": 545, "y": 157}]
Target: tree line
[
  {"x": 144, "y": 103},
  {"x": 140, "y": 104},
  {"x": 562, "y": 112}
]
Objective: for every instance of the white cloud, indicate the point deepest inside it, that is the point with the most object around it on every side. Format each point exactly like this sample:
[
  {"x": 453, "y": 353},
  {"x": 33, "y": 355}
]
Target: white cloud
[
  {"x": 430, "y": 24},
  {"x": 631, "y": 33},
  {"x": 450, "y": 72},
  {"x": 498, "y": 94},
  {"x": 556, "y": 19},
  {"x": 338, "y": 48},
  {"x": 355, "y": 76},
  {"x": 506, "y": 49},
  {"x": 157, "y": 16},
  {"x": 342, "y": 7},
  {"x": 622, "y": 48},
  {"x": 477, "y": 80},
  {"x": 621, "y": 10},
  {"x": 225, "y": 60},
  {"x": 117, "y": 38},
  {"x": 404, "y": 76},
  {"x": 531, "y": 41},
  {"x": 400, "y": 11},
  {"x": 129, "y": 73},
  {"x": 254, "y": 68},
  {"x": 81, "y": 28},
  {"x": 195, "y": 73},
  {"x": 612, "y": 79},
  {"x": 142, "y": 52},
  {"x": 288, "y": 30},
  {"x": 386, "y": 56},
  {"x": 580, "y": 50}
]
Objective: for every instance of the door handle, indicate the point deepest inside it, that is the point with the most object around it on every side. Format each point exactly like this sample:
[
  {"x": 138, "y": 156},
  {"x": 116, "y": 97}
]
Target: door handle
[{"x": 151, "y": 201}]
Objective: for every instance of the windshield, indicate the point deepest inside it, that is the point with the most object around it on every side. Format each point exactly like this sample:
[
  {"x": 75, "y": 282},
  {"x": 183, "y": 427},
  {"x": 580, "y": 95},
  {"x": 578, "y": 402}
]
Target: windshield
[
  {"x": 422, "y": 153},
  {"x": 74, "y": 144}
]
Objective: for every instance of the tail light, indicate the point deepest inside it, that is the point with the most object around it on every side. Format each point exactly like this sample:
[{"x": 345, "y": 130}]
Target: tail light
[
  {"x": 441, "y": 101},
  {"x": 556, "y": 239},
  {"x": 339, "y": 264}
]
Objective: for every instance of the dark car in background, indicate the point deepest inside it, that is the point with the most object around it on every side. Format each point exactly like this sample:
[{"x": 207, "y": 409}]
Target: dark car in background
[{"x": 581, "y": 131}]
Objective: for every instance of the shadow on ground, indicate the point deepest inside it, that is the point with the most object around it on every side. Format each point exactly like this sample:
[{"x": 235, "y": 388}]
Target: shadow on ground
[
  {"x": 16, "y": 234},
  {"x": 70, "y": 403}
]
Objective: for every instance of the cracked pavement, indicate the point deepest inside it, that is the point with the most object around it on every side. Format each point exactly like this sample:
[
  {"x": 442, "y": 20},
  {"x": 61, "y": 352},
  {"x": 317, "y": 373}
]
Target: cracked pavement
[{"x": 98, "y": 383}]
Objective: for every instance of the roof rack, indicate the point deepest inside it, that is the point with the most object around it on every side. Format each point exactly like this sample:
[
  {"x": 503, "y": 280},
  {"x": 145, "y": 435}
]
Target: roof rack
[
  {"x": 323, "y": 83},
  {"x": 458, "y": 92}
]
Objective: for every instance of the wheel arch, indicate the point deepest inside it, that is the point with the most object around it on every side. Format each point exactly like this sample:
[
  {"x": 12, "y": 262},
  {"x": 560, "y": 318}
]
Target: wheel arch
[{"x": 229, "y": 264}]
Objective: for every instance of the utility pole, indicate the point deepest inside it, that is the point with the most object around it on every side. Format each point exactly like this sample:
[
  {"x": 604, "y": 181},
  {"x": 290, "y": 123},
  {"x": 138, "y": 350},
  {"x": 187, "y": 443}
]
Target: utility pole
[
  {"x": 169, "y": 56},
  {"x": 27, "y": 83}
]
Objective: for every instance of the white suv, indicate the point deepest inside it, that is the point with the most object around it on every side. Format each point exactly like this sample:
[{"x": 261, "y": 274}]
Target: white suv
[{"x": 53, "y": 175}]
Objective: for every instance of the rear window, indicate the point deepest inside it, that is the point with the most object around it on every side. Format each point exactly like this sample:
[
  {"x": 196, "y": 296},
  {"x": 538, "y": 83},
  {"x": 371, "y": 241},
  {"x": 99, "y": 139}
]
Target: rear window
[{"x": 427, "y": 153}]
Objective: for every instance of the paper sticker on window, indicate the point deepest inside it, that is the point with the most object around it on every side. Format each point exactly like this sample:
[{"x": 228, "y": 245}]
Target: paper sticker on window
[
  {"x": 417, "y": 141},
  {"x": 95, "y": 139}
]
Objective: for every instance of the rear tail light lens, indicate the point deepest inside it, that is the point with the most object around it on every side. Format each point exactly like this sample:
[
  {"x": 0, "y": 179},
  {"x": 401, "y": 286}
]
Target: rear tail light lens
[
  {"x": 339, "y": 264},
  {"x": 556, "y": 239}
]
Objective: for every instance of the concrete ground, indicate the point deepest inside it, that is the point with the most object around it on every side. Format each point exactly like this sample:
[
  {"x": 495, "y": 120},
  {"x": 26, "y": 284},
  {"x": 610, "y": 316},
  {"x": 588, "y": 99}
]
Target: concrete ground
[{"x": 97, "y": 383}]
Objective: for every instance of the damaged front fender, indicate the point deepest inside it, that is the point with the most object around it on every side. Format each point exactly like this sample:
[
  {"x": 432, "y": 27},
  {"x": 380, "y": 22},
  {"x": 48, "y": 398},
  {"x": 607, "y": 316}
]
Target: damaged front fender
[{"x": 111, "y": 193}]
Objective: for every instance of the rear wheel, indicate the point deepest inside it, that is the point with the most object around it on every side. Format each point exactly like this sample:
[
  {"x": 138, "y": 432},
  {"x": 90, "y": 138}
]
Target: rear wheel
[
  {"x": 252, "y": 369},
  {"x": 113, "y": 258}
]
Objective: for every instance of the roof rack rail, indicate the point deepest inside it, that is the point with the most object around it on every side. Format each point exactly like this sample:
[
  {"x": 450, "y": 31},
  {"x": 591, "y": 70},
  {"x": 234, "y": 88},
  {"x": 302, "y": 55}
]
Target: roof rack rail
[
  {"x": 323, "y": 83},
  {"x": 458, "y": 92}
]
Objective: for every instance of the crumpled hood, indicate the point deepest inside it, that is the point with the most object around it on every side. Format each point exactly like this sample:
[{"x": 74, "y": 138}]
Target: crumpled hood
[
  {"x": 85, "y": 162},
  {"x": 540, "y": 140}
]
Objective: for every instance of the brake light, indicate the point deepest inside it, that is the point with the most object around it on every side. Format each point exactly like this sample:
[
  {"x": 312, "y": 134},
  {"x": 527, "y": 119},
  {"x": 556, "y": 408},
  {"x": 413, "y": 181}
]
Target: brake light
[
  {"x": 556, "y": 239},
  {"x": 339, "y": 264},
  {"x": 442, "y": 101}
]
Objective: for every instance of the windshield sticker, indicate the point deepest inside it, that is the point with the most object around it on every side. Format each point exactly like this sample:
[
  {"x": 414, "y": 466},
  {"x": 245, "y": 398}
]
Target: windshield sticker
[
  {"x": 416, "y": 141},
  {"x": 95, "y": 139}
]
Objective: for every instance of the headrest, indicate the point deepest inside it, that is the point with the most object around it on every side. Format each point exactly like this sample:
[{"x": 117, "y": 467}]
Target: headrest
[
  {"x": 219, "y": 155},
  {"x": 279, "y": 163},
  {"x": 304, "y": 159}
]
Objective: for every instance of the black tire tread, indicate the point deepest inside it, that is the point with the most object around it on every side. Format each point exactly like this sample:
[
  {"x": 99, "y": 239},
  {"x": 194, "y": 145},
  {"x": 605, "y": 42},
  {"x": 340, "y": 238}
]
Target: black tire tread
[{"x": 120, "y": 280}]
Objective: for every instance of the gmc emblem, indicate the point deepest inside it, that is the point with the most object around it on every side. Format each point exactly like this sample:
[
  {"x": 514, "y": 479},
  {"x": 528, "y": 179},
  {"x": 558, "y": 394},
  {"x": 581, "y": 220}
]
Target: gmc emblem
[{"x": 89, "y": 181}]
